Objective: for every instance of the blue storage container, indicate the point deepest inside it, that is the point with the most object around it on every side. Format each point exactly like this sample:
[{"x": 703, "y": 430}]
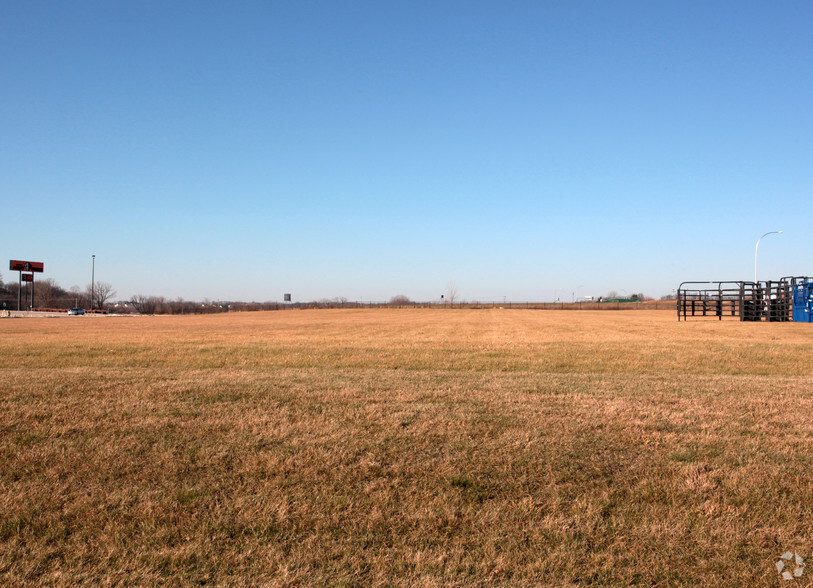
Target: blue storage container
[{"x": 803, "y": 302}]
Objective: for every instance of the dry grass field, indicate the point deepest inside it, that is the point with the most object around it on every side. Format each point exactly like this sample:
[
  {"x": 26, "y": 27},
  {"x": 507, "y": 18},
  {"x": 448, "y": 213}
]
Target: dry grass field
[{"x": 404, "y": 447}]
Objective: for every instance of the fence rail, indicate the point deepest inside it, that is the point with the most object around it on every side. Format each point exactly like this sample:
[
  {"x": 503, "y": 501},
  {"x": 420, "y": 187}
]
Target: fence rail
[{"x": 770, "y": 301}]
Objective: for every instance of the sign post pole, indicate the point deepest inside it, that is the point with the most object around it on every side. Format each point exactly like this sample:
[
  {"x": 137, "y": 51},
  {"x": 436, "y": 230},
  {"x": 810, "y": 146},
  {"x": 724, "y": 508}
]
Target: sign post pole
[{"x": 16, "y": 265}]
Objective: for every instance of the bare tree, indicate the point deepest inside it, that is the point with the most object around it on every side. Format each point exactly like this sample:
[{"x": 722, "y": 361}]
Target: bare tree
[
  {"x": 79, "y": 298},
  {"x": 5, "y": 295},
  {"x": 147, "y": 304},
  {"x": 102, "y": 292},
  {"x": 451, "y": 293},
  {"x": 44, "y": 292},
  {"x": 50, "y": 294},
  {"x": 181, "y": 306}
]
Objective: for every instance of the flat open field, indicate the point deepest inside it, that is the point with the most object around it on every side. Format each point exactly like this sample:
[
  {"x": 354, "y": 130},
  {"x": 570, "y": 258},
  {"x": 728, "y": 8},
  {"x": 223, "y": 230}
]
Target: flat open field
[{"x": 405, "y": 447}]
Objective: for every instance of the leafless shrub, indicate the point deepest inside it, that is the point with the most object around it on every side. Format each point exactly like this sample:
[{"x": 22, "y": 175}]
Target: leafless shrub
[{"x": 147, "y": 304}]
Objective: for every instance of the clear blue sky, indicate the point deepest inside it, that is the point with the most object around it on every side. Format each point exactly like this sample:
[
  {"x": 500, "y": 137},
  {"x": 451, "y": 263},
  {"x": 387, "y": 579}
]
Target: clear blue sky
[{"x": 241, "y": 150}]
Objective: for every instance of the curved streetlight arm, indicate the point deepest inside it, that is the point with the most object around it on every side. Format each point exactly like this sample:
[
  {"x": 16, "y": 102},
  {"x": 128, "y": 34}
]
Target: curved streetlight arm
[{"x": 756, "y": 252}]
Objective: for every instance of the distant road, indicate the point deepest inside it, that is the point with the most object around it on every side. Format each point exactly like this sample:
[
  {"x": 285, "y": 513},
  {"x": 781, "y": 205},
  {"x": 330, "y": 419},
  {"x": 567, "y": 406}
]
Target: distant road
[
  {"x": 32, "y": 314},
  {"x": 28, "y": 313}
]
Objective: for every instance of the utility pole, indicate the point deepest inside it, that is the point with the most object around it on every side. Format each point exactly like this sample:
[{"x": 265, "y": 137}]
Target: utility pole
[{"x": 92, "y": 281}]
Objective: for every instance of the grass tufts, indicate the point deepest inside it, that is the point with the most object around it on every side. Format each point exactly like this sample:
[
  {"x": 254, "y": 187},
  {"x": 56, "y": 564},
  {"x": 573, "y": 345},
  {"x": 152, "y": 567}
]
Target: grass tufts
[{"x": 404, "y": 447}]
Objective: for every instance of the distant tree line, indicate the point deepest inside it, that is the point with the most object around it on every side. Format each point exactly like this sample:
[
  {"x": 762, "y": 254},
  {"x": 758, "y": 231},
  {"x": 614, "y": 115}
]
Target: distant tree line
[
  {"x": 142, "y": 304},
  {"x": 49, "y": 294}
]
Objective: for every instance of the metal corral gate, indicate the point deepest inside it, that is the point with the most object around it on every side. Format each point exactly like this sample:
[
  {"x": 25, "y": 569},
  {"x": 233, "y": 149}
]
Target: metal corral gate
[
  {"x": 803, "y": 302},
  {"x": 744, "y": 301}
]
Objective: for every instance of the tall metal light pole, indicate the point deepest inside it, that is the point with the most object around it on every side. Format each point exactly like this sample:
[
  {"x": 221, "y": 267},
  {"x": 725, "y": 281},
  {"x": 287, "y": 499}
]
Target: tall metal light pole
[
  {"x": 92, "y": 281},
  {"x": 576, "y": 293},
  {"x": 756, "y": 252}
]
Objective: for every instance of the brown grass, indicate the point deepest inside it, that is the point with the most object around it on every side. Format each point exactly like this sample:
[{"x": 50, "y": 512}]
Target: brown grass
[{"x": 405, "y": 447}]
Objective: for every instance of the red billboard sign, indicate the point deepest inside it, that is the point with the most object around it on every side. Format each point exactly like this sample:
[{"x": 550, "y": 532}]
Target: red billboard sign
[
  {"x": 28, "y": 277},
  {"x": 16, "y": 265}
]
